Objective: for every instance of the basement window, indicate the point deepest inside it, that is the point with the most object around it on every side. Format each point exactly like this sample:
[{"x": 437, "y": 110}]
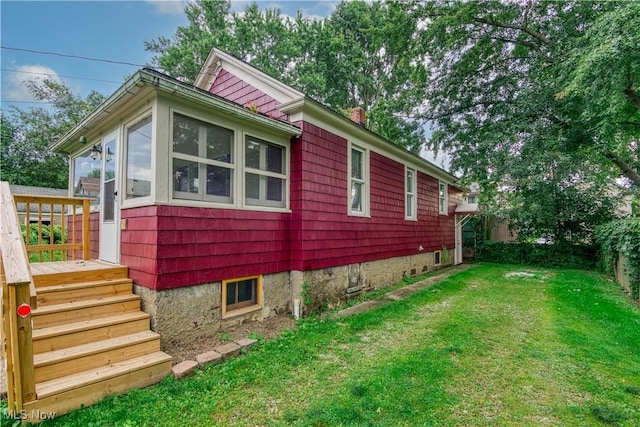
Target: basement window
[
  {"x": 241, "y": 296},
  {"x": 437, "y": 258}
]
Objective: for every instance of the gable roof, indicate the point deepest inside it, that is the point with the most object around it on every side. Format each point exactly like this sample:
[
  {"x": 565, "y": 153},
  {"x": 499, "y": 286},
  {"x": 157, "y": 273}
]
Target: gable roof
[
  {"x": 302, "y": 107},
  {"x": 147, "y": 80}
]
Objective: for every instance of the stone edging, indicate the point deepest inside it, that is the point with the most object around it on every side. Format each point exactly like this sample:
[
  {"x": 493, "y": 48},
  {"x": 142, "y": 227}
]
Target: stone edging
[{"x": 217, "y": 355}]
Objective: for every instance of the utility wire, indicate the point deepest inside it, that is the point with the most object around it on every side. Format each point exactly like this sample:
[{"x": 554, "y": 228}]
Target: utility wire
[
  {"x": 58, "y": 75},
  {"x": 86, "y": 58},
  {"x": 27, "y": 102}
]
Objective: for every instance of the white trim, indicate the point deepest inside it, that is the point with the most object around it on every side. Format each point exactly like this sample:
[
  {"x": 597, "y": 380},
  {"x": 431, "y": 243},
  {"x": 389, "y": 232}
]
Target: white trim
[
  {"x": 317, "y": 114},
  {"x": 443, "y": 210},
  {"x": 413, "y": 215},
  {"x": 364, "y": 181},
  {"x": 146, "y": 82},
  {"x": 237, "y": 166},
  {"x": 218, "y": 59},
  {"x": 125, "y": 157}
]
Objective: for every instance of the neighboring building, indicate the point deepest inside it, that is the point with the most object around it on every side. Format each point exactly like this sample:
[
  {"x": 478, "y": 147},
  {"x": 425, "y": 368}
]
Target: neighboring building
[
  {"x": 87, "y": 186},
  {"x": 226, "y": 198},
  {"x": 45, "y": 214}
]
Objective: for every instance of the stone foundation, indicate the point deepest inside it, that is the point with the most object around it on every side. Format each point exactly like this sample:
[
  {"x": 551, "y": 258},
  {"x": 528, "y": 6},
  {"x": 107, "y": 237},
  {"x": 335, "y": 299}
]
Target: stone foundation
[{"x": 193, "y": 312}]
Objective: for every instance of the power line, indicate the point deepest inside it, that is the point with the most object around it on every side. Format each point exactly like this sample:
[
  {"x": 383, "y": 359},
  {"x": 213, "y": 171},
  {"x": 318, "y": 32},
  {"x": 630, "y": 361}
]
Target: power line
[
  {"x": 86, "y": 58},
  {"x": 58, "y": 75},
  {"x": 27, "y": 102}
]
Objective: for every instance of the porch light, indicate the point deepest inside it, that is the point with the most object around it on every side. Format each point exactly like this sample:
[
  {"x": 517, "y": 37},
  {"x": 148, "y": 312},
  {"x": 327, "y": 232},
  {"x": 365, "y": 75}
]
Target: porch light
[{"x": 95, "y": 152}]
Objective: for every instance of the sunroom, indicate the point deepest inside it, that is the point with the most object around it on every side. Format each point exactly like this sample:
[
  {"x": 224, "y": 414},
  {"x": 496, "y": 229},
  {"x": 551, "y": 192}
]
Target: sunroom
[{"x": 158, "y": 141}]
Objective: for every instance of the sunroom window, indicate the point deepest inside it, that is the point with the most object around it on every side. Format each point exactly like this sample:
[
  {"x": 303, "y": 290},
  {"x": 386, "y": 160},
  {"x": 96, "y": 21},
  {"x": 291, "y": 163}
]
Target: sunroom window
[
  {"x": 139, "y": 159},
  {"x": 265, "y": 173},
  {"x": 203, "y": 161}
]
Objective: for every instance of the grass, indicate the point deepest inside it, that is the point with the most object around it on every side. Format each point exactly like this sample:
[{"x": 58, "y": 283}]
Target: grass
[{"x": 494, "y": 345}]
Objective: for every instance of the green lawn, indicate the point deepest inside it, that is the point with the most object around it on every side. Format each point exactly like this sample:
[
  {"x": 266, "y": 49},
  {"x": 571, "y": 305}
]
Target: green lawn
[{"x": 494, "y": 345}]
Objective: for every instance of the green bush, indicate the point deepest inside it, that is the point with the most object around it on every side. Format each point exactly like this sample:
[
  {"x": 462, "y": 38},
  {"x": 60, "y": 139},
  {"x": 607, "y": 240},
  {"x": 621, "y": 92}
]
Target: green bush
[
  {"x": 558, "y": 255},
  {"x": 622, "y": 237},
  {"x": 32, "y": 239}
]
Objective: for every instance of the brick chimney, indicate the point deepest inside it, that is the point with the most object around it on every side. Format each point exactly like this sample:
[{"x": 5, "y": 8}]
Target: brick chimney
[{"x": 359, "y": 116}]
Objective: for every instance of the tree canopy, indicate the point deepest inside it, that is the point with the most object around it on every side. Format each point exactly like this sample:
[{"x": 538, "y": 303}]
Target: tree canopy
[
  {"x": 539, "y": 102},
  {"x": 363, "y": 54},
  {"x": 25, "y": 155}
]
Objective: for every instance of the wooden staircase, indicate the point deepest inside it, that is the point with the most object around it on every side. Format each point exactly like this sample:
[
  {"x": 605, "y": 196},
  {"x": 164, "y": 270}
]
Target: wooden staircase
[{"x": 90, "y": 338}]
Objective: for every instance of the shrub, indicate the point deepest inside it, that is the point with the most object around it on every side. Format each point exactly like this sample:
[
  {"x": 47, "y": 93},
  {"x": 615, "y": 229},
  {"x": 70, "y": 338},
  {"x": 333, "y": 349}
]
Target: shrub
[
  {"x": 622, "y": 237},
  {"x": 557, "y": 255},
  {"x": 31, "y": 237}
]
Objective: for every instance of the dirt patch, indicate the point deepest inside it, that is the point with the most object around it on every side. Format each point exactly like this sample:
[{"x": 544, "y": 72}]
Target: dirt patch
[
  {"x": 268, "y": 329},
  {"x": 519, "y": 274}
]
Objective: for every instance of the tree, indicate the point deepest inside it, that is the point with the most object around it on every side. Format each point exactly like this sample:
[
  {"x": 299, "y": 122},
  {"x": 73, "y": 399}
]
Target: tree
[
  {"x": 362, "y": 55},
  {"x": 520, "y": 91},
  {"x": 505, "y": 75},
  {"x": 26, "y": 135}
]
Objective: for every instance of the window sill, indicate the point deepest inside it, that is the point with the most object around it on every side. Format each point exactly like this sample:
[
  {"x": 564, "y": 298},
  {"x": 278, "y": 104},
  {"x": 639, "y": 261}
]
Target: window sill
[{"x": 241, "y": 311}]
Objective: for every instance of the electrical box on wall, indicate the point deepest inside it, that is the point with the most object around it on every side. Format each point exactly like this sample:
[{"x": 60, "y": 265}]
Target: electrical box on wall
[{"x": 123, "y": 224}]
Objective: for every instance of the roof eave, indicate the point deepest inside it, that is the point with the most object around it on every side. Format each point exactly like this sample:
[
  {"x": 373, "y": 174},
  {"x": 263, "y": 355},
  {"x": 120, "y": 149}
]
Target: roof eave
[
  {"x": 144, "y": 78},
  {"x": 306, "y": 104}
]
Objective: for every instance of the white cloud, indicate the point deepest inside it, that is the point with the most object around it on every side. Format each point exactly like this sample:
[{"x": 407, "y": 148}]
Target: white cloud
[
  {"x": 168, "y": 7},
  {"x": 17, "y": 90}
]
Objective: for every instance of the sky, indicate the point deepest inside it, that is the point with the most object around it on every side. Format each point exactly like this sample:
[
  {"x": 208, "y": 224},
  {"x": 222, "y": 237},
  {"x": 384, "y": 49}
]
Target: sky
[{"x": 110, "y": 30}]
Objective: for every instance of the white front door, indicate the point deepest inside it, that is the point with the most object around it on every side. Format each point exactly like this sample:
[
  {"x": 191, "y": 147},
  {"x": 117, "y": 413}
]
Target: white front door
[
  {"x": 109, "y": 211},
  {"x": 458, "y": 251}
]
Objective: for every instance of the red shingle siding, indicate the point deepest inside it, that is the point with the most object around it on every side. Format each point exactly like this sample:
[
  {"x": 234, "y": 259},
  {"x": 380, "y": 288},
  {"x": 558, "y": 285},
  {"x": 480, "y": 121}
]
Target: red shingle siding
[
  {"x": 174, "y": 246},
  {"x": 329, "y": 236},
  {"x": 179, "y": 246},
  {"x": 229, "y": 86}
]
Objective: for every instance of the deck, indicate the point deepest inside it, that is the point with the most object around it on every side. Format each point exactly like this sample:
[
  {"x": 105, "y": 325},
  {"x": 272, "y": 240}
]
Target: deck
[
  {"x": 48, "y": 273},
  {"x": 72, "y": 266}
]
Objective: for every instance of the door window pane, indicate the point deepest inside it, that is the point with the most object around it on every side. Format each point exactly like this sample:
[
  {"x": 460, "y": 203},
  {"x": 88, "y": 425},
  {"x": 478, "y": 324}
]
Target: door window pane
[{"x": 86, "y": 177}]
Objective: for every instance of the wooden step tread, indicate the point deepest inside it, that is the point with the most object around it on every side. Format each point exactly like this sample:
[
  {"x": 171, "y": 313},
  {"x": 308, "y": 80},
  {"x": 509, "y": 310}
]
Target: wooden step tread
[
  {"x": 87, "y": 325},
  {"x": 83, "y": 350},
  {"x": 56, "y": 308},
  {"x": 82, "y": 285},
  {"x": 60, "y": 385}
]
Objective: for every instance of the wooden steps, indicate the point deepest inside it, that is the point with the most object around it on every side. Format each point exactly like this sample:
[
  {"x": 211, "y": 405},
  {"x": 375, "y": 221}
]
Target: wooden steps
[{"x": 90, "y": 338}]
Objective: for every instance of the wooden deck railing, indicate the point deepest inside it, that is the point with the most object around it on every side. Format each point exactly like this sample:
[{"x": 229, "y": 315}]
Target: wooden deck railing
[
  {"x": 18, "y": 290},
  {"x": 18, "y": 299},
  {"x": 63, "y": 238}
]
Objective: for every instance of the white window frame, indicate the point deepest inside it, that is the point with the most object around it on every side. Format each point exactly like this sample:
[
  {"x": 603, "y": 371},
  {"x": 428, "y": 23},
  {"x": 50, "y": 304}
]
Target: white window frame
[
  {"x": 364, "y": 182},
  {"x": 202, "y": 161},
  {"x": 126, "y": 201},
  {"x": 410, "y": 193},
  {"x": 443, "y": 198},
  {"x": 437, "y": 258},
  {"x": 262, "y": 201}
]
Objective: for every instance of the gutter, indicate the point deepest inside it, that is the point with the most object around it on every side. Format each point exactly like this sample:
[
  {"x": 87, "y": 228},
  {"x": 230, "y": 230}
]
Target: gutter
[{"x": 160, "y": 82}]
